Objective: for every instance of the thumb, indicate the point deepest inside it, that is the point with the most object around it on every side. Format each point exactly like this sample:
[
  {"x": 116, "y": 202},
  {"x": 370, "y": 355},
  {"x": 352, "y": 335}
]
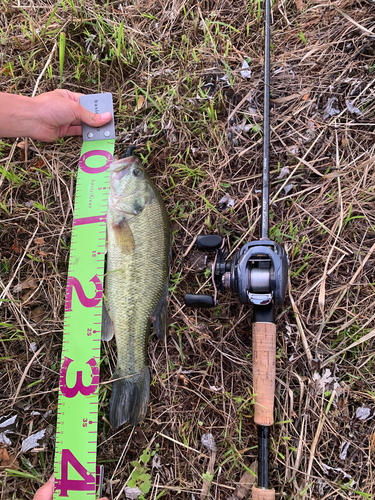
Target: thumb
[
  {"x": 91, "y": 118},
  {"x": 46, "y": 491}
]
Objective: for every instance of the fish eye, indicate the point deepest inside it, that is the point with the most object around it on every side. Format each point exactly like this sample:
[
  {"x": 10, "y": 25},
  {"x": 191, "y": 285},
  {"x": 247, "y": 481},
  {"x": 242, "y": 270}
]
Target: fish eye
[{"x": 137, "y": 172}]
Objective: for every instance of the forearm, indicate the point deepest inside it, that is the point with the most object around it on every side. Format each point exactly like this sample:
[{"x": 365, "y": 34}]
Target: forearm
[{"x": 17, "y": 115}]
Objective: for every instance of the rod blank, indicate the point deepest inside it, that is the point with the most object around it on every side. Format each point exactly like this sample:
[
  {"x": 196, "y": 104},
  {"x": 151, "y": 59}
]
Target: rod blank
[{"x": 266, "y": 125}]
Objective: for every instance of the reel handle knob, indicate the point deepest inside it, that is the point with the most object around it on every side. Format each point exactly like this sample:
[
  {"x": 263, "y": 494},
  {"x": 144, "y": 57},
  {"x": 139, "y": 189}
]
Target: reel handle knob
[
  {"x": 209, "y": 242},
  {"x": 199, "y": 301}
]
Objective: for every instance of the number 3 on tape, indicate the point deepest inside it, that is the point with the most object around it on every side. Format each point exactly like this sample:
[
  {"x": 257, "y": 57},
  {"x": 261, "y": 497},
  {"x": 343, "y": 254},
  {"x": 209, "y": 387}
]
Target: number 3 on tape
[
  {"x": 71, "y": 392},
  {"x": 76, "y": 433}
]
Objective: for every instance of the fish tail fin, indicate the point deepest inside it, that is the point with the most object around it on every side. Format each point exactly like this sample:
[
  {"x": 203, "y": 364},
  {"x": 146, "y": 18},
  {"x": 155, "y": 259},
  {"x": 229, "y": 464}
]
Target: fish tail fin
[{"x": 130, "y": 397}]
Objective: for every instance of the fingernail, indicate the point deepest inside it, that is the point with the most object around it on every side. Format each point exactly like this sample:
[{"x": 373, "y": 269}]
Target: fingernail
[
  {"x": 106, "y": 116},
  {"x": 52, "y": 478}
]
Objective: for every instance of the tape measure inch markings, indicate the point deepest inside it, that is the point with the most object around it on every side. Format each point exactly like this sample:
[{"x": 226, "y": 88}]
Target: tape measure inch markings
[{"x": 76, "y": 433}]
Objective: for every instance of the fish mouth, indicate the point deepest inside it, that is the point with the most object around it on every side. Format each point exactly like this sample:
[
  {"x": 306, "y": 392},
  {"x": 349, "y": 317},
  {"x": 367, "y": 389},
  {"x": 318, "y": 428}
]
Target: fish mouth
[
  {"x": 119, "y": 174},
  {"x": 124, "y": 164}
]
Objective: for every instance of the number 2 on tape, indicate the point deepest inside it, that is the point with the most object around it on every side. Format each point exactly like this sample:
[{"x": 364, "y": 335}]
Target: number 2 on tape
[{"x": 84, "y": 300}]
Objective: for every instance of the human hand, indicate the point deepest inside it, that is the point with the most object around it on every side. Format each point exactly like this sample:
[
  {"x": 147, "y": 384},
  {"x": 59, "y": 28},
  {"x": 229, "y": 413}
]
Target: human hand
[
  {"x": 59, "y": 114},
  {"x": 46, "y": 491}
]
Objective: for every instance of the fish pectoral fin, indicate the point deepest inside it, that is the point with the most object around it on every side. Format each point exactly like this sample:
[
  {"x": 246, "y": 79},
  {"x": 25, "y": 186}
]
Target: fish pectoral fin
[
  {"x": 123, "y": 236},
  {"x": 108, "y": 328},
  {"x": 160, "y": 317}
]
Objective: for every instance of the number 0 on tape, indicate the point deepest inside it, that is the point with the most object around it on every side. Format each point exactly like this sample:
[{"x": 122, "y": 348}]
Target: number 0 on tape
[{"x": 76, "y": 433}]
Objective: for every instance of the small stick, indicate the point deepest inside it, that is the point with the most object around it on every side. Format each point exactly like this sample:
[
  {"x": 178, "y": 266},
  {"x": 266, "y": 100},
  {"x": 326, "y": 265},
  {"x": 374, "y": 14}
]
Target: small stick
[
  {"x": 362, "y": 28},
  {"x": 181, "y": 444},
  {"x": 317, "y": 434},
  {"x": 299, "y": 325},
  {"x": 25, "y": 373}
]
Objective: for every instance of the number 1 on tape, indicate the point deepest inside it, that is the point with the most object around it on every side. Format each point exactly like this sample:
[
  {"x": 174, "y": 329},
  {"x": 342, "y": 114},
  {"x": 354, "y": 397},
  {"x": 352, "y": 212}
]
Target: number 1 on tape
[{"x": 76, "y": 433}]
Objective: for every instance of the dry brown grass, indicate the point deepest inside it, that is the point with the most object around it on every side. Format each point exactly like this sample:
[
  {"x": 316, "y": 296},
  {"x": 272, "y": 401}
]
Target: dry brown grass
[{"x": 202, "y": 377}]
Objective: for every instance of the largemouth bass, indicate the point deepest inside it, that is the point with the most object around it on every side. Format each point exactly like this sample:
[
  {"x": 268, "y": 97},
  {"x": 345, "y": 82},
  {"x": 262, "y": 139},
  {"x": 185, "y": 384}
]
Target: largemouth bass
[{"x": 136, "y": 283}]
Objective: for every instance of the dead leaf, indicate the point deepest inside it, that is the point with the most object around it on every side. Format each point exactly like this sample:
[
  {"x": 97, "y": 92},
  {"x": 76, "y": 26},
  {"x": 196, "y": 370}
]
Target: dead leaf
[
  {"x": 7, "y": 460},
  {"x": 183, "y": 378},
  {"x": 16, "y": 248},
  {"x": 22, "y": 146},
  {"x": 372, "y": 442},
  {"x": 132, "y": 493},
  {"x": 33, "y": 441},
  {"x": 26, "y": 284},
  {"x": 287, "y": 98},
  {"x": 197, "y": 261},
  {"x": 140, "y": 102},
  {"x": 43, "y": 254},
  {"x": 39, "y": 241},
  {"x": 209, "y": 442},
  {"x": 26, "y": 295},
  {"x": 305, "y": 97},
  {"x": 333, "y": 175},
  {"x": 139, "y": 437},
  {"x": 246, "y": 483},
  {"x": 3, "y": 454},
  {"x": 39, "y": 164},
  {"x": 37, "y": 314},
  {"x": 300, "y": 5}
]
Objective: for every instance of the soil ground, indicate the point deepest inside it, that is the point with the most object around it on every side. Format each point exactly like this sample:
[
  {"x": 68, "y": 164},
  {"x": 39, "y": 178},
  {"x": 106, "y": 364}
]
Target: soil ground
[{"x": 174, "y": 69}]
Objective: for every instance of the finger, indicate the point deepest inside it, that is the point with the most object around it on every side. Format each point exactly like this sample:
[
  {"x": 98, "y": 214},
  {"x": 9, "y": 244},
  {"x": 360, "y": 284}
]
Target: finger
[
  {"x": 76, "y": 122},
  {"x": 46, "y": 491},
  {"x": 67, "y": 94},
  {"x": 74, "y": 96},
  {"x": 73, "y": 130},
  {"x": 91, "y": 118}
]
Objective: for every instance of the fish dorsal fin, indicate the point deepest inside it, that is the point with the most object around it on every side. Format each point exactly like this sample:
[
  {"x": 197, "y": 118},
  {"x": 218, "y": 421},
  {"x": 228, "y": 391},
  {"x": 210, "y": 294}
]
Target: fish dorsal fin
[{"x": 123, "y": 235}]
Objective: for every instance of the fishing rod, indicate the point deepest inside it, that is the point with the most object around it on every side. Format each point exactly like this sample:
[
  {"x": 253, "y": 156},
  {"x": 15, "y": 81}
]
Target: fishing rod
[{"x": 258, "y": 274}]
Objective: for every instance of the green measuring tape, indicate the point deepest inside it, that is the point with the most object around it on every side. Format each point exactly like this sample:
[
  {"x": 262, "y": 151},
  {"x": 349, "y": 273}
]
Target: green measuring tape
[{"x": 76, "y": 472}]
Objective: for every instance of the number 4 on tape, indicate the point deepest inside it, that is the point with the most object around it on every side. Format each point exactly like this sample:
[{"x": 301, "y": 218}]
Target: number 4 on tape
[{"x": 76, "y": 434}]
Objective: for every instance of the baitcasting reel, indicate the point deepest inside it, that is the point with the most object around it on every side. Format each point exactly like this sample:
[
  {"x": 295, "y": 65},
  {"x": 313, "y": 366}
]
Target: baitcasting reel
[{"x": 257, "y": 273}]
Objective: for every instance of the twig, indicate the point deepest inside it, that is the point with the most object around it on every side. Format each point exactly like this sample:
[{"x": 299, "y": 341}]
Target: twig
[
  {"x": 25, "y": 373},
  {"x": 6, "y": 289},
  {"x": 365, "y": 338},
  {"x": 335, "y": 306},
  {"x": 317, "y": 434},
  {"x": 299, "y": 325},
  {"x": 44, "y": 70},
  {"x": 322, "y": 292},
  {"x": 181, "y": 444},
  {"x": 351, "y": 20}
]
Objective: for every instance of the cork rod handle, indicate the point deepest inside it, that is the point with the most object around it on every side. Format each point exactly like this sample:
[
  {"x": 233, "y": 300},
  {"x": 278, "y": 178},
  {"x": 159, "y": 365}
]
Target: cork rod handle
[
  {"x": 264, "y": 372},
  {"x": 263, "y": 494}
]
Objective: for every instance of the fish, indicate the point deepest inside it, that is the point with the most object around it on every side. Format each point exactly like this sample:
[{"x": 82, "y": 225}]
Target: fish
[{"x": 138, "y": 255}]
